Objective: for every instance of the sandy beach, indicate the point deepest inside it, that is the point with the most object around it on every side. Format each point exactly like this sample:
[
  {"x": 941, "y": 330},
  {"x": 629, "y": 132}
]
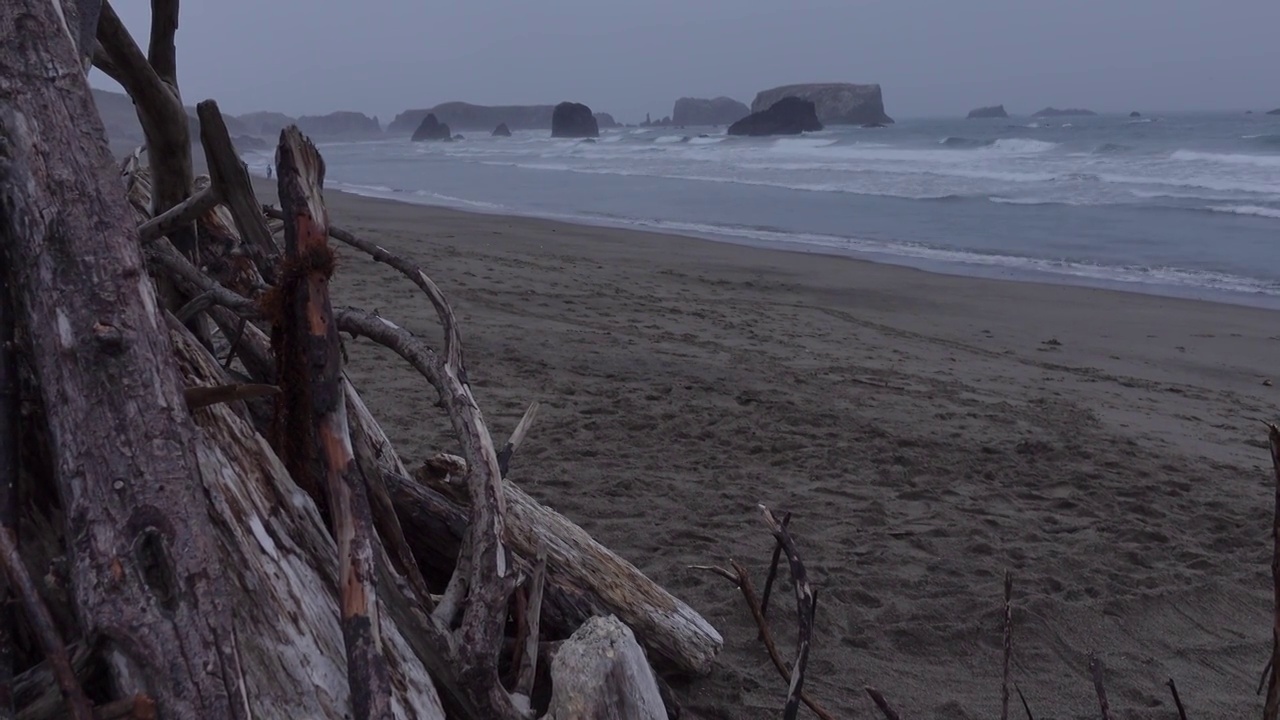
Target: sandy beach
[{"x": 927, "y": 432}]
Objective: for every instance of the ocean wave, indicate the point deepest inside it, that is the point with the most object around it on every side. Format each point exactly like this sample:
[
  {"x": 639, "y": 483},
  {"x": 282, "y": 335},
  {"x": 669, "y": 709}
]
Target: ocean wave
[
  {"x": 1021, "y": 201},
  {"x": 1023, "y": 145},
  {"x": 963, "y": 142},
  {"x": 1227, "y": 158},
  {"x": 1111, "y": 149},
  {"x": 1263, "y": 138},
  {"x": 1254, "y": 210},
  {"x": 665, "y": 139}
]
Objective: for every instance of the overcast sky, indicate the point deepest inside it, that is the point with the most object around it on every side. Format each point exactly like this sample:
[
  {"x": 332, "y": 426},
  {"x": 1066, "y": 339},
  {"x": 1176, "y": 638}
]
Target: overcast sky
[{"x": 932, "y": 57}]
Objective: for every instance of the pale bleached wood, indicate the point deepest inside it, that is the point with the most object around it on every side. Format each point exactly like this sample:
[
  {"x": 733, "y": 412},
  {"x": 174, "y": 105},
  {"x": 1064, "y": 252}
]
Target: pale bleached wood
[
  {"x": 675, "y": 635},
  {"x": 600, "y": 673},
  {"x": 285, "y": 594}
]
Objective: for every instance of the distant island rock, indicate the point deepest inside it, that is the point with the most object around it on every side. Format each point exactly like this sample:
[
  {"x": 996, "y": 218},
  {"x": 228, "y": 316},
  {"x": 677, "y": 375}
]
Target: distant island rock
[
  {"x": 605, "y": 120},
  {"x": 1066, "y": 112},
  {"x": 465, "y": 116},
  {"x": 432, "y": 129},
  {"x": 715, "y": 111},
  {"x": 1135, "y": 114},
  {"x": 664, "y": 122},
  {"x": 268, "y": 124},
  {"x": 1274, "y": 112},
  {"x": 788, "y": 116},
  {"x": 340, "y": 124},
  {"x": 836, "y": 103},
  {"x": 993, "y": 111},
  {"x": 502, "y": 130},
  {"x": 573, "y": 120}
]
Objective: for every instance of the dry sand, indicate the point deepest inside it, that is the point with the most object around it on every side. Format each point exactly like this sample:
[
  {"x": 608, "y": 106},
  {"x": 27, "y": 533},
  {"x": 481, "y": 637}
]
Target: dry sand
[{"x": 926, "y": 431}]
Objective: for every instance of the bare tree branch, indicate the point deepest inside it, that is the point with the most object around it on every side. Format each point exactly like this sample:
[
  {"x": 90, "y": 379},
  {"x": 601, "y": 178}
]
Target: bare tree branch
[
  {"x": 318, "y": 439},
  {"x": 41, "y": 623},
  {"x": 184, "y": 213},
  {"x": 161, "y": 52}
]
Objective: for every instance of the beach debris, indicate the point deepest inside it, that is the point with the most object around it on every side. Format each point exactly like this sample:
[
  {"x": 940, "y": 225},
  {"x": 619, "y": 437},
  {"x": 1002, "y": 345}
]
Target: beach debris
[
  {"x": 267, "y": 538},
  {"x": 878, "y": 698},
  {"x": 806, "y": 605},
  {"x": 1267, "y": 382},
  {"x": 1177, "y": 701},
  {"x": 1008, "y": 645},
  {"x": 1271, "y": 711},
  {"x": 1095, "y": 669}
]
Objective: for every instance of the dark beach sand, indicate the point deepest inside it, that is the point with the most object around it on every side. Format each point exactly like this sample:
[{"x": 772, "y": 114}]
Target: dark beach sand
[{"x": 926, "y": 431}]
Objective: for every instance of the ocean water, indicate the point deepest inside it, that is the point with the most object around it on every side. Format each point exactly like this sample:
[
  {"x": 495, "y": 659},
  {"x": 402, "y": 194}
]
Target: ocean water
[{"x": 1185, "y": 205}]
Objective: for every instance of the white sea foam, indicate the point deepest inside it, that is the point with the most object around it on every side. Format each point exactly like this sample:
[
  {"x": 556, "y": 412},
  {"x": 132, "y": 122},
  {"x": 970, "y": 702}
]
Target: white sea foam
[
  {"x": 1256, "y": 210},
  {"x": 1269, "y": 161}
]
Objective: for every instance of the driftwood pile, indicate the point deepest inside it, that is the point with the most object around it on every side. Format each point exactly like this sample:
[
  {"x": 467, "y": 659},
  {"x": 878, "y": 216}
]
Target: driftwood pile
[{"x": 200, "y": 516}]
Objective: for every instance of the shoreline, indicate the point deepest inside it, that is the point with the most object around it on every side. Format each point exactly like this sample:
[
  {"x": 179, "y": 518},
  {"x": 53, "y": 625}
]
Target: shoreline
[
  {"x": 926, "y": 431},
  {"x": 965, "y": 268}
]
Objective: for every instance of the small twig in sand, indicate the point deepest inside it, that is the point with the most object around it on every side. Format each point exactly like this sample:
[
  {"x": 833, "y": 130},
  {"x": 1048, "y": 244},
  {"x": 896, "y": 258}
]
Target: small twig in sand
[
  {"x": 1023, "y": 698},
  {"x": 806, "y": 603},
  {"x": 517, "y": 437},
  {"x": 773, "y": 571},
  {"x": 742, "y": 580},
  {"x": 885, "y": 707},
  {"x": 1173, "y": 688},
  {"x": 1095, "y": 668},
  {"x": 1008, "y": 644}
]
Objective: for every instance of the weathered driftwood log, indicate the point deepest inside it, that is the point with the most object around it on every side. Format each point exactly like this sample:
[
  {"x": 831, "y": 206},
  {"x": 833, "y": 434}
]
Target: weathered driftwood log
[
  {"x": 314, "y": 422},
  {"x": 144, "y": 547},
  {"x": 676, "y": 637},
  {"x": 806, "y": 604},
  {"x": 601, "y": 673},
  {"x": 229, "y": 178},
  {"x": 287, "y": 629},
  {"x": 8, "y": 483}
]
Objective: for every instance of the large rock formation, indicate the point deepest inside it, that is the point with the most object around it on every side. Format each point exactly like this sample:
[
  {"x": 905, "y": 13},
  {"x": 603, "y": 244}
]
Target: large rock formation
[
  {"x": 788, "y": 116},
  {"x": 1274, "y": 112},
  {"x": 502, "y": 130},
  {"x": 836, "y": 103},
  {"x": 573, "y": 120},
  {"x": 465, "y": 116},
  {"x": 266, "y": 124},
  {"x": 432, "y": 129},
  {"x": 340, "y": 124},
  {"x": 992, "y": 111},
  {"x": 1135, "y": 114},
  {"x": 716, "y": 111},
  {"x": 605, "y": 120},
  {"x": 1065, "y": 112}
]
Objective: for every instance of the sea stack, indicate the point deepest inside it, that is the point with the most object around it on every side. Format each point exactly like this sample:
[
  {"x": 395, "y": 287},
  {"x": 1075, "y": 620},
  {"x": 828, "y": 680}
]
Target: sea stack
[
  {"x": 431, "y": 129},
  {"x": 1066, "y": 112},
  {"x": 836, "y": 103},
  {"x": 573, "y": 120},
  {"x": 788, "y": 116},
  {"x": 502, "y": 130},
  {"x": 992, "y": 111},
  {"x": 716, "y": 111}
]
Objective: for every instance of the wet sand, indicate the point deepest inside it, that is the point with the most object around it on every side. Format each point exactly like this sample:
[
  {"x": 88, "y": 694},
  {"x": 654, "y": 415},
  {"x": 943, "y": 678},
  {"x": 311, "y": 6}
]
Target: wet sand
[{"x": 927, "y": 432}]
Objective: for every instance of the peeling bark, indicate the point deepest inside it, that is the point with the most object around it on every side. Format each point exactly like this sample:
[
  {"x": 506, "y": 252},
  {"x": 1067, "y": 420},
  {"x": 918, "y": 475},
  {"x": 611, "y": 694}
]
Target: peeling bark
[{"x": 142, "y": 546}]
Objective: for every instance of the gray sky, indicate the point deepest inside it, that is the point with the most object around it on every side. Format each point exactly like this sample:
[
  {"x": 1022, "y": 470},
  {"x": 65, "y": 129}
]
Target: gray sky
[{"x": 932, "y": 57}]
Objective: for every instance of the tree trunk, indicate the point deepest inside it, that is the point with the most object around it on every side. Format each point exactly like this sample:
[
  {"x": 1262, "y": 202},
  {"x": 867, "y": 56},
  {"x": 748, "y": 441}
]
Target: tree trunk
[
  {"x": 315, "y": 426},
  {"x": 148, "y": 578},
  {"x": 601, "y": 674}
]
